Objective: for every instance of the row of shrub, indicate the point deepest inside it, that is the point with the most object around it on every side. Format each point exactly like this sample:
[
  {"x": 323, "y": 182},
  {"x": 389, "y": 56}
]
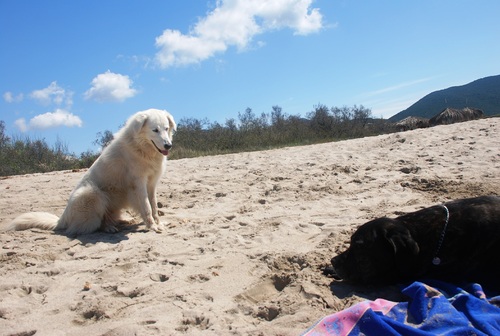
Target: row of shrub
[
  {"x": 274, "y": 129},
  {"x": 195, "y": 137}
]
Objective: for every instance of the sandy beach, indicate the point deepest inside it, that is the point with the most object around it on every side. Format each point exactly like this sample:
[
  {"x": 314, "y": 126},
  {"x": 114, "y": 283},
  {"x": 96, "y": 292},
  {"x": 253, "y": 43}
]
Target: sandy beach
[{"x": 246, "y": 236}]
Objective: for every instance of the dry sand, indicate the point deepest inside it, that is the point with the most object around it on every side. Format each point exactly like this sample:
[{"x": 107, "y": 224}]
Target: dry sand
[{"x": 246, "y": 238}]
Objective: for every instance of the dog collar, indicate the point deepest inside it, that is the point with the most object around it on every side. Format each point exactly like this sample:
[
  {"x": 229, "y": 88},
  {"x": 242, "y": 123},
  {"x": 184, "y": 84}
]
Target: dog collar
[{"x": 436, "y": 260}]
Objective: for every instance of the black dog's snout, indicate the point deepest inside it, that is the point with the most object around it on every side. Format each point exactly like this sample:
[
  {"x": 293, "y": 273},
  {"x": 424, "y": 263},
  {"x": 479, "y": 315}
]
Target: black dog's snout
[
  {"x": 335, "y": 260},
  {"x": 332, "y": 270}
]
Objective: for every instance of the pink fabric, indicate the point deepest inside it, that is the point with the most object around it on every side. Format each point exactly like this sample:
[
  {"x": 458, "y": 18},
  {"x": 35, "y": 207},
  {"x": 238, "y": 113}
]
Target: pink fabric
[{"x": 344, "y": 321}]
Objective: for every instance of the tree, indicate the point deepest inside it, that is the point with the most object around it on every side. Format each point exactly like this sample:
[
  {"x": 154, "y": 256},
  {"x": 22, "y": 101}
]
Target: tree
[
  {"x": 247, "y": 120},
  {"x": 321, "y": 120},
  {"x": 103, "y": 139},
  {"x": 277, "y": 118},
  {"x": 361, "y": 114},
  {"x": 4, "y": 140}
]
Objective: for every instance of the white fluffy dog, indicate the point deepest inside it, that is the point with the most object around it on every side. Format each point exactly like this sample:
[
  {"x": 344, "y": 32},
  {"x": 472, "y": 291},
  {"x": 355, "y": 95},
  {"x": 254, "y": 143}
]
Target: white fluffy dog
[{"x": 124, "y": 176}]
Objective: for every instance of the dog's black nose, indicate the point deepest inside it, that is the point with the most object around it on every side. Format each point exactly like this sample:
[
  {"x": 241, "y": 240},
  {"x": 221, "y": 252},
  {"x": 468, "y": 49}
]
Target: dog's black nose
[
  {"x": 167, "y": 146},
  {"x": 328, "y": 270}
]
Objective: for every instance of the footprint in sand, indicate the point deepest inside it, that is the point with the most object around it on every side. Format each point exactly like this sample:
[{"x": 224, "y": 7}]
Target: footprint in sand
[
  {"x": 198, "y": 278},
  {"x": 266, "y": 289},
  {"x": 191, "y": 318},
  {"x": 157, "y": 277}
]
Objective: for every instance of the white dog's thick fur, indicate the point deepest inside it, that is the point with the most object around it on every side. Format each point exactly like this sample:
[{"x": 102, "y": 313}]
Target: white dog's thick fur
[{"x": 124, "y": 176}]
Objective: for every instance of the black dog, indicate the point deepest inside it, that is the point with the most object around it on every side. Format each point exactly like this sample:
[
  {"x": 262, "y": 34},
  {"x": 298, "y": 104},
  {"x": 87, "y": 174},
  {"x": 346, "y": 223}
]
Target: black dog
[{"x": 457, "y": 242}]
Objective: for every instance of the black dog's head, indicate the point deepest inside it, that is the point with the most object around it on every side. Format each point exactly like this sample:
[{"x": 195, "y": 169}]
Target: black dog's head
[{"x": 381, "y": 251}]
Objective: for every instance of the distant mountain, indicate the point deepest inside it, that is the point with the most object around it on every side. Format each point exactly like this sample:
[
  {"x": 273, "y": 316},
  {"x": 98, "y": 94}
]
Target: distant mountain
[{"x": 483, "y": 94}]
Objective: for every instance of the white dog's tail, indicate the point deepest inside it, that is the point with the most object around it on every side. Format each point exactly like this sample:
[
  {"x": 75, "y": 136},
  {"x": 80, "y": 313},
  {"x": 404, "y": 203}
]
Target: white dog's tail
[{"x": 31, "y": 220}]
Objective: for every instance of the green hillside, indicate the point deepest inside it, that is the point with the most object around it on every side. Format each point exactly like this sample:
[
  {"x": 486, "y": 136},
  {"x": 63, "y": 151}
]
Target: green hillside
[{"x": 483, "y": 94}]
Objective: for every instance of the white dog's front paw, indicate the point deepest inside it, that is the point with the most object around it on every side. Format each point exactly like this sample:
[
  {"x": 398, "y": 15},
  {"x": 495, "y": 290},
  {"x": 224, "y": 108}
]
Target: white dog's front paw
[
  {"x": 158, "y": 228},
  {"x": 109, "y": 227}
]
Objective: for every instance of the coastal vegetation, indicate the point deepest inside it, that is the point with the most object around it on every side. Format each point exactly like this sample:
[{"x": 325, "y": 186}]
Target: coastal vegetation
[{"x": 201, "y": 137}]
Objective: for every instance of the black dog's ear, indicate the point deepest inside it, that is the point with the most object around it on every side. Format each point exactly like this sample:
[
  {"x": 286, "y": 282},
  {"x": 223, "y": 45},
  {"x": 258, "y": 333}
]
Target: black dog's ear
[
  {"x": 406, "y": 250},
  {"x": 401, "y": 241}
]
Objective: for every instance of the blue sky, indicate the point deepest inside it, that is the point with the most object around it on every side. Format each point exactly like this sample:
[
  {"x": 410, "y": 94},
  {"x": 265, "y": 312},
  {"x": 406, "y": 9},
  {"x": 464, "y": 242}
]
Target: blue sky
[{"x": 71, "y": 69}]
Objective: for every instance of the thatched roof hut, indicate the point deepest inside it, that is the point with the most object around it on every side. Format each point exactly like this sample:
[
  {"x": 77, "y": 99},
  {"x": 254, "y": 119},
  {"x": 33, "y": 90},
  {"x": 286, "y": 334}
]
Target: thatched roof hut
[
  {"x": 410, "y": 123},
  {"x": 451, "y": 115}
]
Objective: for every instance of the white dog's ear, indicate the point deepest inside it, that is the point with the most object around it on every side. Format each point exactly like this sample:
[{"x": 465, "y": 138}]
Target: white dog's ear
[
  {"x": 173, "y": 125},
  {"x": 136, "y": 122}
]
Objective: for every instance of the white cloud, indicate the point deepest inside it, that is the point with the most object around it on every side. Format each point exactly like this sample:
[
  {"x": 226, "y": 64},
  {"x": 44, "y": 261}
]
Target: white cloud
[
  {"x": 110, "y": 87},
  {"x": 391, "y": 108},
  {"x": 294, "y": 14},
  {"x": 235, "y": 23},
  {"x": 398, "y": 86},
  {"x": 21, "y": 124},
  {"x": 53, "y": 94},
  {"x": 47, "y": 120},
  {"x": 9, "y": 97}
]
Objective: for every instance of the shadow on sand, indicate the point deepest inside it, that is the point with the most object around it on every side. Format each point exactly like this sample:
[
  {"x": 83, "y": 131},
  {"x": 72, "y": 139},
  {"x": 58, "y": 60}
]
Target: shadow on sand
[
  {"x": 108, "y": 237},
  {"x": 345, "y": 290}
]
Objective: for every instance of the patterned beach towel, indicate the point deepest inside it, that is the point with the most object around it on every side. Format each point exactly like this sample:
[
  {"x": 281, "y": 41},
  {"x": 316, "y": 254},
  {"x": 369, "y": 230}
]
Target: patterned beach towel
[{"x": 433, "y": 308}]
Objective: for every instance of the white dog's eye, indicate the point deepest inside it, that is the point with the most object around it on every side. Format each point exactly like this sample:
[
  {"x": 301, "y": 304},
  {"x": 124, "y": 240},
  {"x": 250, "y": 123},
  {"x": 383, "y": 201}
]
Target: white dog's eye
[{"x": 156, "y": 130}]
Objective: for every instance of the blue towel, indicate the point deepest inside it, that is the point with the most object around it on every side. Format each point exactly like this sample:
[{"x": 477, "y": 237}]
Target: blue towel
[{"x": 433, "y": 308}]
